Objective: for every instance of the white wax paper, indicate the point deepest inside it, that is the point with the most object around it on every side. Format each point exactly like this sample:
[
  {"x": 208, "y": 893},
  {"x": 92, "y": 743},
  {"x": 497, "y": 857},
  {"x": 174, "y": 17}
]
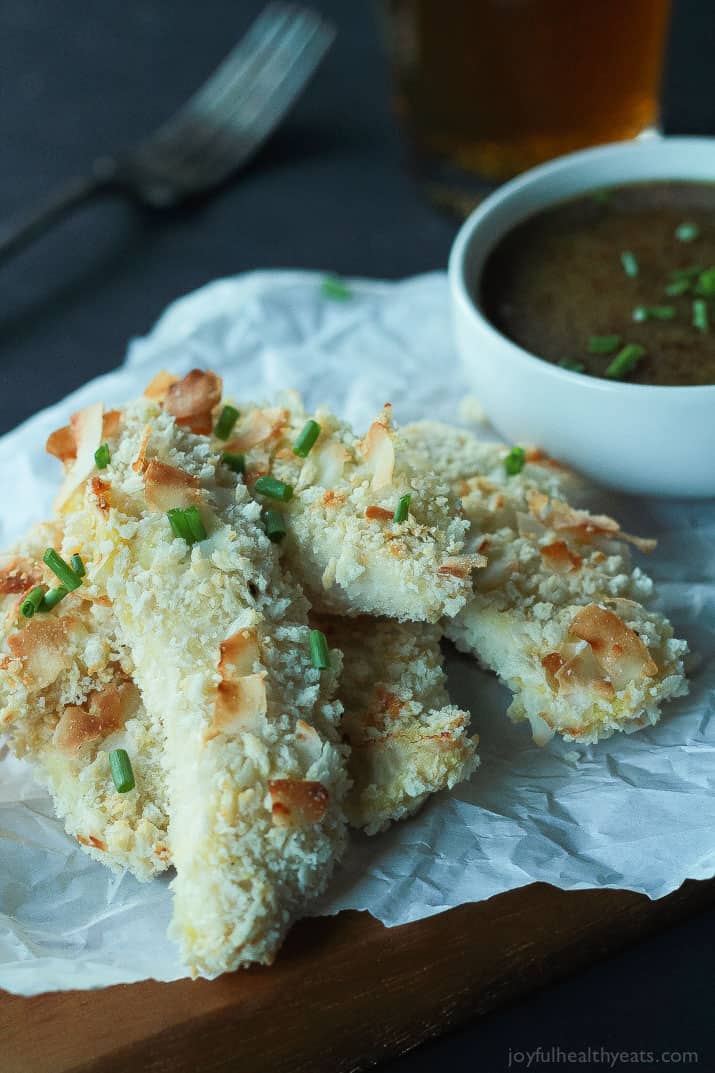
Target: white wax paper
[{"x": 635, "y": 812}]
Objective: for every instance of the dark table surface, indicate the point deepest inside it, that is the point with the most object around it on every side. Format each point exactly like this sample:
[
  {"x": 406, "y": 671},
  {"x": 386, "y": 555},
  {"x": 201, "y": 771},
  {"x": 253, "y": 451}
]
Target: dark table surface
[{"x": 330, "y": 193}]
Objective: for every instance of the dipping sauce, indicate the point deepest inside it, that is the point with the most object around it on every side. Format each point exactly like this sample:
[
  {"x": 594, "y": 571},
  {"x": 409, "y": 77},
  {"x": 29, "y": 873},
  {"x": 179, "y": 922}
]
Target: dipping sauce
[{"x": 626, "y": 267}]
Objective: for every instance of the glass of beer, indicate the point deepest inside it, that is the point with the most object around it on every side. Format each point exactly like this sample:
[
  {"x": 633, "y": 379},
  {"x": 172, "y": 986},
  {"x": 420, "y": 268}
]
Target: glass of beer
[{"x": 488, "y": 88}]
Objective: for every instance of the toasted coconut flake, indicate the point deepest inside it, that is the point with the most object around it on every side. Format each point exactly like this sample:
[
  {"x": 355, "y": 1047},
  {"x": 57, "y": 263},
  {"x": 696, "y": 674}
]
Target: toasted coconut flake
[
  {"x": 111, "y": 423},
  {"x": 238, "y": 654},
  {"x": 87, "y": 431},
  {"x": 552, "y": 664},
  {"x": 332, "y": 499},
  {"x": 140, "y": 463},
  {"x": 93, "y": 841},
  {"x": 327, "y": 462},
  {"x": 241, "y": 705},
  {"x": 462, "y": 565},
  {"x": 61, "y": 443},
  {"x": 580, "y": 524},
  {"x": 378, "y": 450},
  {"x": 42, "y": 648},
  {"x": 257, "y": 427},
  {"x": 297, "y": 802},
  {"x": 617, "y": 648},
  {"x": 378, "y": 514},
  {"x": 582, "y": 671},
  {"x": 104, "y": 714},
  {"x": 18, "y": 577},
  {"x": 159, "y": 386},
  {"x": 308, "y": 741},
  {"x": 559, "y": 557},
  {"x": 166, "y": 487},
  {"x": 191, "y": 400},
  {"x": 100, "y": 491}
]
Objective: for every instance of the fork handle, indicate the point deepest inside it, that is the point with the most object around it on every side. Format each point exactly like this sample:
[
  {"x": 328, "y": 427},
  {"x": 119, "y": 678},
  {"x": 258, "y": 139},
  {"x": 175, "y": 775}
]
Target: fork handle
[{"x": 22, "y": 230}]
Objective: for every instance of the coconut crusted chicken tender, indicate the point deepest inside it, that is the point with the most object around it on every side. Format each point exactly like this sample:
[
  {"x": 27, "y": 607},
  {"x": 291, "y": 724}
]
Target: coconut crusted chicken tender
[
  {"x": 344, "y": 541},
  {"x": 558, "y": 612},
  {"x": 220, "y": 645},
  {"x": 67, "y": 699},
  {"x": 406, "y": 740}
]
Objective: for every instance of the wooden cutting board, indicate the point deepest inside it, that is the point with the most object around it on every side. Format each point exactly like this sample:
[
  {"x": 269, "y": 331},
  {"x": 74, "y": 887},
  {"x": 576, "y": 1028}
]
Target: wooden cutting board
[{"x": 344, "y": 992}]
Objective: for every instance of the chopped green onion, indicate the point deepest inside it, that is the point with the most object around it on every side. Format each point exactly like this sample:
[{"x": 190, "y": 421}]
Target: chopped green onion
[
  {"x": 102, "y": 456},
  {"x": 678, "y": 287},
  {"x": 235, "y": 462},
  {"x": 319, "y": 654},
  {"x": 121, "y": 768},
  {"x": 603, "y": 344},
  {"x": 403, "y": 509},
  {"x": 187, "y": 524},
  {"x": 625, "y": 361},
  {"x": 53, "y": 597},
  {"x": 700, "y": 315},
  {"x": 32, "y": 601},
  {"x": 78, "y": 565},
  {"x": 197, "y": 530},
  {"x": 706, "y": 283},
  {"x": 686, "y": 273},
  {"x": 225, "y": 423},
  {"x": 275, "y": 525},
  {"x": 630, "y": 265},
  {"x": 306, "y": 441},
  {"x": 334, "y": 288},
  {"x": 64, "y": 572},
  {"x": 275, "y": 489},
  {"x": 687, "y": 232},
  {"x": 514, "y": 461},
  {"x": 572, "y": 366},
  {"x": 641, "y": 313}
]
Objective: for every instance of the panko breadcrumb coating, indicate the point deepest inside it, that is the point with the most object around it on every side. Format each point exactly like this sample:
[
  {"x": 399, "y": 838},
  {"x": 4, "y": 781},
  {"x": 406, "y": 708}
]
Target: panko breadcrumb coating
[
  {"x": 406, "y": 740},
  {"x": 558, "y": 612},
  {"x": 342, "y": 542},
  {"x": 66, "y": 700},
  {"x": 220, "y": 646}
]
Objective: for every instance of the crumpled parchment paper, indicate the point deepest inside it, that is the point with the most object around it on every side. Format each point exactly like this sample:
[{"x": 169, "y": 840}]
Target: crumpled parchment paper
[{"x": 635, "y": 811}]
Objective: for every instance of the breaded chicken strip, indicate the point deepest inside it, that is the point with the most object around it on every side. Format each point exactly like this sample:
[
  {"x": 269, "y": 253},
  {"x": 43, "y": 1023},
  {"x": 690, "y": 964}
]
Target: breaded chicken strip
[
  {"x": 66, "y": 700},
  {"x": 343, "y": 543},
  {"x": 558, "y": 612},
  {"x": 221, "y": 652},
  {"x": 406, "y": 740}
]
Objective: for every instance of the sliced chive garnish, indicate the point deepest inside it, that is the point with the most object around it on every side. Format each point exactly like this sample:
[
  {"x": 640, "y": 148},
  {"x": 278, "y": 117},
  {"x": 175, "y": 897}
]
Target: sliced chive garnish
[
  {"x": 630, "y": 265},
  {"x": 678, "y": 287},
  {"x": 197, "y": 530},
  {"x": 686, "y": 273},
  {"x": 706, "y": 283},
  {"x": 514, "y": 461},
  {"x": 274, "y": 489},
  {"x": 603, "y": 344},
  {"x": 179, "y": 524},
  {"x": 102, "y": 456},
  {"x": 687, "y": 232},
  {"x": 332, "y": 287},
  {"x": 32, "y": 601},
  {"x": 319, "y": 655},
  {"x": 64, "y": 572},
  {"x": 402, "y": 509},
  {"x": 78, "y": 565},
  {"x": 121, "y": 768},
  {"x": 187, "y": 524},
  {"x": 235, "y": 462},
  {"x": 625, "y": 361},
  {"x": 572, "y": 366},
  {"x": 52, "y": 597},
  {"x": 306, "y": 441},
  {"x": 641, "y": 313},
  {"x": 227, "y": 419},
  {"x": 700, "y": 315},
  {"x": 275, "y": 526}
]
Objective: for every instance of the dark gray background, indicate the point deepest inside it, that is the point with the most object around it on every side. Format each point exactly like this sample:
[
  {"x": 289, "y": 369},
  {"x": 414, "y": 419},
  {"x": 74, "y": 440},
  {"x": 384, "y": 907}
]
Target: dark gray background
[{"x": 81, "y": 78}]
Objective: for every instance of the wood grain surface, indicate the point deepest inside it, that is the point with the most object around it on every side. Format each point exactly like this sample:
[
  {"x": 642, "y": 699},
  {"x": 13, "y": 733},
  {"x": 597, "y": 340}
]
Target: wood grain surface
[{"x": 344, "y": 992}]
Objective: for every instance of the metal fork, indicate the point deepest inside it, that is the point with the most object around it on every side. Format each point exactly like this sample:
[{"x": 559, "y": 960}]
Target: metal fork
[{"x": 215, "y": 133}]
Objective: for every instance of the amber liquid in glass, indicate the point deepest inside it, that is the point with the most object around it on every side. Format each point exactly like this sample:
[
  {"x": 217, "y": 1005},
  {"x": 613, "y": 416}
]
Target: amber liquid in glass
[{"x": 490, "y": 87}]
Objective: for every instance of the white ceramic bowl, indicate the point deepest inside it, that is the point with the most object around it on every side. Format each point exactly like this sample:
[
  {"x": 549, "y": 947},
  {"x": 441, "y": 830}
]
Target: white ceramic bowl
[{"x": 635, "y": 437}]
